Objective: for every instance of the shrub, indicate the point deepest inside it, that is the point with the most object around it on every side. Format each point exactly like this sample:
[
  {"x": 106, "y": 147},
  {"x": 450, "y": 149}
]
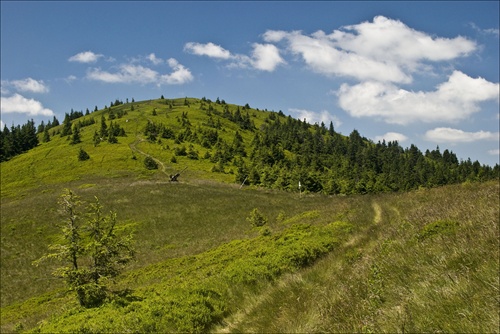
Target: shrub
[
  {"x": 256, "y": 218},
  {"x": 180, "y": 151},
  {"x": 440, "y": 227},
  {"x": 82, "y": 155},
  {"x": 150, "y": 163}
]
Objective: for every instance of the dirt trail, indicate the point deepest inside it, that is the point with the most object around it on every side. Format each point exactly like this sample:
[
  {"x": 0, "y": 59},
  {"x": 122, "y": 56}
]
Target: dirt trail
[
  {"x": 377, "y": 217},
  {"x": 133, "y": 147}
]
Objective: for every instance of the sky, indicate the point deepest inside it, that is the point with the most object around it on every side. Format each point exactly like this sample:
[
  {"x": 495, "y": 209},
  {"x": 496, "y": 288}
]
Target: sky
[{"x": 422, "y": 73}]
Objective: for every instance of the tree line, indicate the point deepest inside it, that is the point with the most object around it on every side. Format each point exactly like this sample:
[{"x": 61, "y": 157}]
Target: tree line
[
  {"x": 285, "y": 151},
  {"x": 326, "y": 161},
  {"x": 17, "y": 139}
]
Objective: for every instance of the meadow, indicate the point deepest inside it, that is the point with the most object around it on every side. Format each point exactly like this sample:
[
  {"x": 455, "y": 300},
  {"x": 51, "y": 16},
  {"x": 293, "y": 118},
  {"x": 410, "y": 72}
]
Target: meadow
[
  {"x": 413, "y": 262},
  {"x": 419, "y": 261}
]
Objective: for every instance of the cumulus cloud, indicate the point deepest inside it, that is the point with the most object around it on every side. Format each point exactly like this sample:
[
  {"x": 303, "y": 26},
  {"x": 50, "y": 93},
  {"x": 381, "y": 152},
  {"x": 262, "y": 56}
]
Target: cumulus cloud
[
  {"x": 449, "y": 135},
  {"x": 127, "y": 73},
  {"x": 383, "y": 50},
  {"x": 130, "y": 73},
  {"x": 70, "y": 78},
  {"x": 323, "y": 57},
  {"x": 179, "y": 76},
  {"x": 155, "y": 60},
  {"x": 264, "y": 57},
  {"x": 454, "y": 100},
  {"x": 209, "y": 49},
  {"x": 391, "y": 136},
  {"x": 85, "y": 57},
  {"x": 387, "y": 39},
  {"x": 313, "y": 117},
  {"x": 30, "y": 85},
  {"x": 3, "y": 87},
  {"x": 19, "y": 104}
]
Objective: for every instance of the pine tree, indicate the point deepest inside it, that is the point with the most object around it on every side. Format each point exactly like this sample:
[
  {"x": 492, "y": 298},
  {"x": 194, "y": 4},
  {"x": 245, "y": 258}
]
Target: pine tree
[
  {"x": 82, "y": 155},
  {"x": 46, "y": 135},
  {"x": 103, "y": 131},
  {"x": 66, "y": 131},
  {"x": 96, "y": 139},
  {"x": 75, "y": 138},
  {"x": 91, "y": 251}
]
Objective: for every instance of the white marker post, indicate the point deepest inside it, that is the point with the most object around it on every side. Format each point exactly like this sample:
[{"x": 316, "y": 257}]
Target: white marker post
[{"x": 300, "y": 191}]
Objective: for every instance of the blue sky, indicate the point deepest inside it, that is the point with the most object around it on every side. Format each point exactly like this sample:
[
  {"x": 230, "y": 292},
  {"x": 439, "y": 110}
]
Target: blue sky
[{"x": 423, "y": 73}]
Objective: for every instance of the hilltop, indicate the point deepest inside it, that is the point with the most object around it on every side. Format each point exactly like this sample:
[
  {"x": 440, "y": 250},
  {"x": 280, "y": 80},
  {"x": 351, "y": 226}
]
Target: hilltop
[
  {"x": 222, "y": 142},
  {"x": 405, "y": 251}
]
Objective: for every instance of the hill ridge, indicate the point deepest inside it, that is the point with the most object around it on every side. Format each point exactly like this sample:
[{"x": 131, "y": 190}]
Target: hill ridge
[{"x": 232, "y": 143}]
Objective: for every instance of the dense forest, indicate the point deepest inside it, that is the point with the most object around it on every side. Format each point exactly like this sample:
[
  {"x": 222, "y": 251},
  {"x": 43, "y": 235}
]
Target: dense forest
[
  {"x": 285, "y": 153},
  {"x": 325, "y": 161}
]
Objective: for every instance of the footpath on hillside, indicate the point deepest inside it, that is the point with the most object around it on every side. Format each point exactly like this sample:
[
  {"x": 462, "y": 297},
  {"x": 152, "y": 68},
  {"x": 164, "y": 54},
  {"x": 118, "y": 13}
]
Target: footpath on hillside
[{"x": 133, "y": 147}]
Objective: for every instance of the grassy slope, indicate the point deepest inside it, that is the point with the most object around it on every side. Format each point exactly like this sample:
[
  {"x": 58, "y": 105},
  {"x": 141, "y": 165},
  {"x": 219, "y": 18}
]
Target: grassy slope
[
  {"x": 428, "y": 262},
  {"x": 393, "y": 274}
]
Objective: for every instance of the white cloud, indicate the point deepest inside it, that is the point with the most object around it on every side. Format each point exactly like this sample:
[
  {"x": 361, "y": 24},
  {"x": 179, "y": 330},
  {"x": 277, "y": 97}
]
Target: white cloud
[
  {"x": 3, "y": 87},
  {"x": 494, "y": 152},
  {"x": 156, "y": 61},
  {"x": 129, "y": 73},
  {"x": 454, "y": 100},
  {"x": 489, "y": 31},
  {"x": 391, "y": 136},
  {"x": 383, "y": 50},
  {"x": 266, "y": 57},
  {"x": 392, "y": 40},
  {"x": 70, "y": 78},
  {"x": 19, "y": 104},
  {"x": 30, "y": 85},
  {"x": 492, "y": 31},
  {"x": 181, "y": 75},
  {"x": 85, "y": 57},
  {"x": 449, "y": 135},
  {"x": 312, "y": 117},
  {"x": 323, "y": 57},
  {"x": 210, "y": 50}
]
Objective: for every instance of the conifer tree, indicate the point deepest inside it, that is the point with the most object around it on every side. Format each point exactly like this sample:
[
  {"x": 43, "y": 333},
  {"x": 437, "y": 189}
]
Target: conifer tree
[
  {"x": 103, "y": 131},
  {"x": 82, "y": 155},
  {"x": 75, "y": 138},
  {"x": 91, "y": 251},
  {"x": 46, "y": 135},
  {"x": 66, "y": 131}
]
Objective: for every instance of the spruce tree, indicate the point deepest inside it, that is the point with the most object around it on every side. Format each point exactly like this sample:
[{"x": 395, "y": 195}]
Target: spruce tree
[
  {"x": 82, "y": 155},
  {"x": 66, "y": 131},
  {"x": 91, "y": 251},
  {"x": 103, "y": 131},
  {"x": 46, "y": 135},
  {"x": 96, "y": 139},
  {"x": 75, "y": 138}
]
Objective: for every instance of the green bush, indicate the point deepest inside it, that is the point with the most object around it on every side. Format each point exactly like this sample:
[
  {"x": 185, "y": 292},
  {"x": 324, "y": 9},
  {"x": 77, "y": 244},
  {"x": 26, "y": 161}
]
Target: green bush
[
  {"x": 256, "y": 218},
  {"x": 440, "y": 227},
  {"x": 150, "y": 163},
  {"x": 82, "y": 155}
]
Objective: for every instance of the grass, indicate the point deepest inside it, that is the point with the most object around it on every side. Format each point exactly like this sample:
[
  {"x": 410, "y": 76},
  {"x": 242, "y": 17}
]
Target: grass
[
  {"x": 389, "y": 279},
  {"x": 412, "y": 262},
  {"x": 380, "y": 275}
]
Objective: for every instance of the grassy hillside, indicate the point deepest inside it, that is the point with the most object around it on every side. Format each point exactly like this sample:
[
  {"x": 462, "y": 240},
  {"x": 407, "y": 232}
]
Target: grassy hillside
[{"x": 426, "y": 260}]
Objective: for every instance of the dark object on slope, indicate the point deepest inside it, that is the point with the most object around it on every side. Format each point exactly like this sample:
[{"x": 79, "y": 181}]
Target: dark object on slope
[{"x": 173, "y": 178}]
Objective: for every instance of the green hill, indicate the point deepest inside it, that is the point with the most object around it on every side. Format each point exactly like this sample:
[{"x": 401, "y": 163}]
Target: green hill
[{"x": 424, "y": 260}]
